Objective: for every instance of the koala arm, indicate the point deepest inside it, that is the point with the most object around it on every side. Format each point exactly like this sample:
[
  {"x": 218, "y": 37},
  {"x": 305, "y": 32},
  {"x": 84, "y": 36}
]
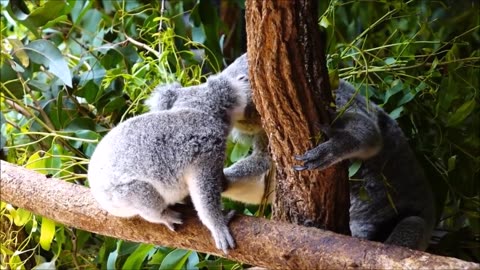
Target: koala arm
[
  {"x": 256, "y": 164},
  {"x": 353, "y": 135},
  {"x": 245, "y": 179}
]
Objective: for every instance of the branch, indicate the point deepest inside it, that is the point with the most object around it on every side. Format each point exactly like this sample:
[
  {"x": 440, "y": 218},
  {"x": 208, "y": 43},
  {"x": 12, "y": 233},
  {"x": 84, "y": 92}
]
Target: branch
[{"x": 272, "y": 244}]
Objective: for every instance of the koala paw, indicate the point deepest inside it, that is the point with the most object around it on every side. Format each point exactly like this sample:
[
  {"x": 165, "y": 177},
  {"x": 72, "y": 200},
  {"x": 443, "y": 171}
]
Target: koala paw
[
  {"x": 317, "y": 158},
  {"x": 170, "y": 218},
  {"x": 223, "y": 239}
]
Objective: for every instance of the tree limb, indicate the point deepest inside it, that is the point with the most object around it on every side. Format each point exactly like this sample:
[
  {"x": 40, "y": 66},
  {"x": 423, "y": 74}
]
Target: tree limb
[{"x": 272, "y": 244}]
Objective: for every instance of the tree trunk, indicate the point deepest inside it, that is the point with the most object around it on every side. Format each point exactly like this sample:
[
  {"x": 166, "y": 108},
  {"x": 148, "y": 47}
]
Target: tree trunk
[
  {"x": 261, "y": 242},
  {"x": 292, "y": 93}
]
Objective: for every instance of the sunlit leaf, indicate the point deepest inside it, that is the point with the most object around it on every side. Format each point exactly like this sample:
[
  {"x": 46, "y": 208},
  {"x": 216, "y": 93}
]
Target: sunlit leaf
[
  {"x": 37, "y": 162},
  {"x": 22, "y": 217},
  {"x": 47, "y": 232}
]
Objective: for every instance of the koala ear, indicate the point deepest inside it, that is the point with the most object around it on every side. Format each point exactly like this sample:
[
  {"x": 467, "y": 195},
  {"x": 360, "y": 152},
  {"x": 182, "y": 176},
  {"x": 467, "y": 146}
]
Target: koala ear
[{"x": 163, "y": 97}]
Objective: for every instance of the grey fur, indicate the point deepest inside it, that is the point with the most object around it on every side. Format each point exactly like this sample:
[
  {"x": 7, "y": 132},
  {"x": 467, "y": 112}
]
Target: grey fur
[
  {"x": 389, "y": 168},
  {"x": 156, "y": 159}
]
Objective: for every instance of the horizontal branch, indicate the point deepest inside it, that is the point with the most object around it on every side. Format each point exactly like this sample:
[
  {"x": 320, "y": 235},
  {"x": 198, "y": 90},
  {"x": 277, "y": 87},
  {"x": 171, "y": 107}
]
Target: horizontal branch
[{"x": 261, "y": 242}]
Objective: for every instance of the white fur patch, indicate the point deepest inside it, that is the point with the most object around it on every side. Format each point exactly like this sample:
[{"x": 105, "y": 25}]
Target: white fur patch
[{"x": 249, "y": 190}]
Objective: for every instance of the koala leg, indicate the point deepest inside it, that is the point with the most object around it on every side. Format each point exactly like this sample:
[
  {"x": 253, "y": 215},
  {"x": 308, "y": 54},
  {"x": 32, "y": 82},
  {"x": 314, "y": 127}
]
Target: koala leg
[
  {"x": 410, "y": 232},
  {"x": 205, "y": 186},
  {"x": 354, "y": 135},
  {"x": 141, "y": 198}
]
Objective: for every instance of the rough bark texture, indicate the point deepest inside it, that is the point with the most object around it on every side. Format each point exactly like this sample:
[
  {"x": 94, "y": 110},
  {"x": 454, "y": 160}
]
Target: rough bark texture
[
  {"x": 271, "y": 244},
  {"x": 292, "y": 94}
]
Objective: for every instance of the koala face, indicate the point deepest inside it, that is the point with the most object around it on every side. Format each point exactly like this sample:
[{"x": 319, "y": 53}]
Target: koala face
[{"x": 250, "y": 123}]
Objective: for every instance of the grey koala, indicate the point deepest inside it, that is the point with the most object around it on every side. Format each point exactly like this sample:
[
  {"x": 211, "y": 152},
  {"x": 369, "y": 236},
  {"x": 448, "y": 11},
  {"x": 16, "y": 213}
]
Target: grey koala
[
  {"x": 157, "y": 159},
  {"x": 389, "y": 169}
]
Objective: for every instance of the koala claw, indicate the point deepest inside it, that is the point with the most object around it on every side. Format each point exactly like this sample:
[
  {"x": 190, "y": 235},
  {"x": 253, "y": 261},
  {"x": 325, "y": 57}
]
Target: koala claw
[
  {"x": 171, "y": 218},
  {"x": 299, "y": 168},
  {"x": 224, "y": 240},
  {"x": 229, "y": 216}
]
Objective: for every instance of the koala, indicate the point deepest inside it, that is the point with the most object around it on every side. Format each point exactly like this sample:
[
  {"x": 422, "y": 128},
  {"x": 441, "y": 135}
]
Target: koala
[
  {"x": 157, "y": 159},
  {"x": 399, "y": 209}
]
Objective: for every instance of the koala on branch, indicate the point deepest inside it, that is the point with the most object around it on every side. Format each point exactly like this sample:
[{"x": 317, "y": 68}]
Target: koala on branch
[{"x": 154, "y": 160}]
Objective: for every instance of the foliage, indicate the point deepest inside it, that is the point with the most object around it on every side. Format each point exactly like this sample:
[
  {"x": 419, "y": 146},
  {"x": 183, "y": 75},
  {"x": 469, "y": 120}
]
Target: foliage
[
  {"x": 73, "y": 69},
  {"x": 420, "y": 61}
]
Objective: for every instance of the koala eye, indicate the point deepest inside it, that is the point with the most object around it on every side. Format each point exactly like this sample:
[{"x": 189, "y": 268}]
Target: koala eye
[{"x": 242, "y": 78}]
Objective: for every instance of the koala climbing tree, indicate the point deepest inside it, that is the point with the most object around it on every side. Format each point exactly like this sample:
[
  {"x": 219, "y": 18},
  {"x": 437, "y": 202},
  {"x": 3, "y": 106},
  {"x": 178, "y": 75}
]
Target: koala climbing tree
[{"x": 291, "y": 91}]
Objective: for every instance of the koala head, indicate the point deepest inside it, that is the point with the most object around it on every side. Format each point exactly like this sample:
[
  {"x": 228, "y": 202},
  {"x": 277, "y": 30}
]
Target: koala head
[
  {"x": 250, "y": 122},
  {"x": 163, "y": 97}
]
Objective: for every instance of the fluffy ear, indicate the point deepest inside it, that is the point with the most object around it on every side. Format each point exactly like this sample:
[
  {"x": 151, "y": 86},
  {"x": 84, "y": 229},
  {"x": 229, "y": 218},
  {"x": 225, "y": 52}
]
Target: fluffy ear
[
  {"x": 163, "y": 97},
  {"x": 238, "y": 67}
]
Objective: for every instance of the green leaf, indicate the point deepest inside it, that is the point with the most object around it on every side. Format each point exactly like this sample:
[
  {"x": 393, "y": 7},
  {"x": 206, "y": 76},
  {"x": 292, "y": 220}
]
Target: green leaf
[
  {"x": 396, "y": 113},
  {"x": 22, "y": 217},
  {"x": 461, "y": 113},
  {"x": 192, "y": 261},
  {"x": 45, "y": 53},
  {"x": 390, "y": 61},
  {"x": 112, "y": 257},
  {"x": 175, "y": 260},
  {"x": 81, "y": 123},
  {"x": 49, "y": 11},
  {"x": 451, "y": 163},
  {"x": 46, "y": 266},
  {"x": 135, "y": 260},
  {"x": 407, "y": 97},
  {"x": 17, "y": 46},
  {"x": 47, "y": 232},
  {"x": 37, "y": 163},
  {"x": 198, "y": 34},
  {"x": 10, "y": 80},
  {"x": 324, "y": 22},
  {"x": 353, "y": 169},
  {"x": 239, "y": 151},
  {"x": 114, "y": 105},
  {"x": 397, "y": 87}
]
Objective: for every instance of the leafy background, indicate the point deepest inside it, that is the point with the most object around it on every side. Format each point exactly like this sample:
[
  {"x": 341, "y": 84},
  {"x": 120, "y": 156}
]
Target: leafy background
[{"x": 73, "y": 69}]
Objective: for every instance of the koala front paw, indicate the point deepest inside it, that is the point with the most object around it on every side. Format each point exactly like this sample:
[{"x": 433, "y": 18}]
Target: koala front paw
[{"x": 317, "y": 158}]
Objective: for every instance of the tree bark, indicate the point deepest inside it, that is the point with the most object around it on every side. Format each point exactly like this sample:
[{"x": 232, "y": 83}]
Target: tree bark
[
  {"x": 271, "y": 244},
  {"x": 292, "y": 94}
]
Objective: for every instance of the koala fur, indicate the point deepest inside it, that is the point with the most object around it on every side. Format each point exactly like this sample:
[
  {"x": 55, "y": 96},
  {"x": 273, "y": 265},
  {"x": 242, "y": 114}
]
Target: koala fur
[
  {"x": 389, "y": 168},
  {"x": 157, "y": 159}
]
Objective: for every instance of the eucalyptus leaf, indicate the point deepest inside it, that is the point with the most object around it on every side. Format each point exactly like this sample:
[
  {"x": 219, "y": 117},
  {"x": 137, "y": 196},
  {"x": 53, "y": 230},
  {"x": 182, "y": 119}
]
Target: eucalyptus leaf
[
  {"x": 47, "y": 232},
  {"x": 175, "y": 260},
  {"x": 136, "y": 259},
  {"x": 45, "y": 53},
  {"x": 461, "y": 113}
]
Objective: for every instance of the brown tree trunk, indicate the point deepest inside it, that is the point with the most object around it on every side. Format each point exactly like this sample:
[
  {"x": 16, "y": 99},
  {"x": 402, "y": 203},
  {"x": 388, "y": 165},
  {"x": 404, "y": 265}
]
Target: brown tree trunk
[
  {"x": 261, "y": 242},
  {"x": 292, "y": 93}
]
